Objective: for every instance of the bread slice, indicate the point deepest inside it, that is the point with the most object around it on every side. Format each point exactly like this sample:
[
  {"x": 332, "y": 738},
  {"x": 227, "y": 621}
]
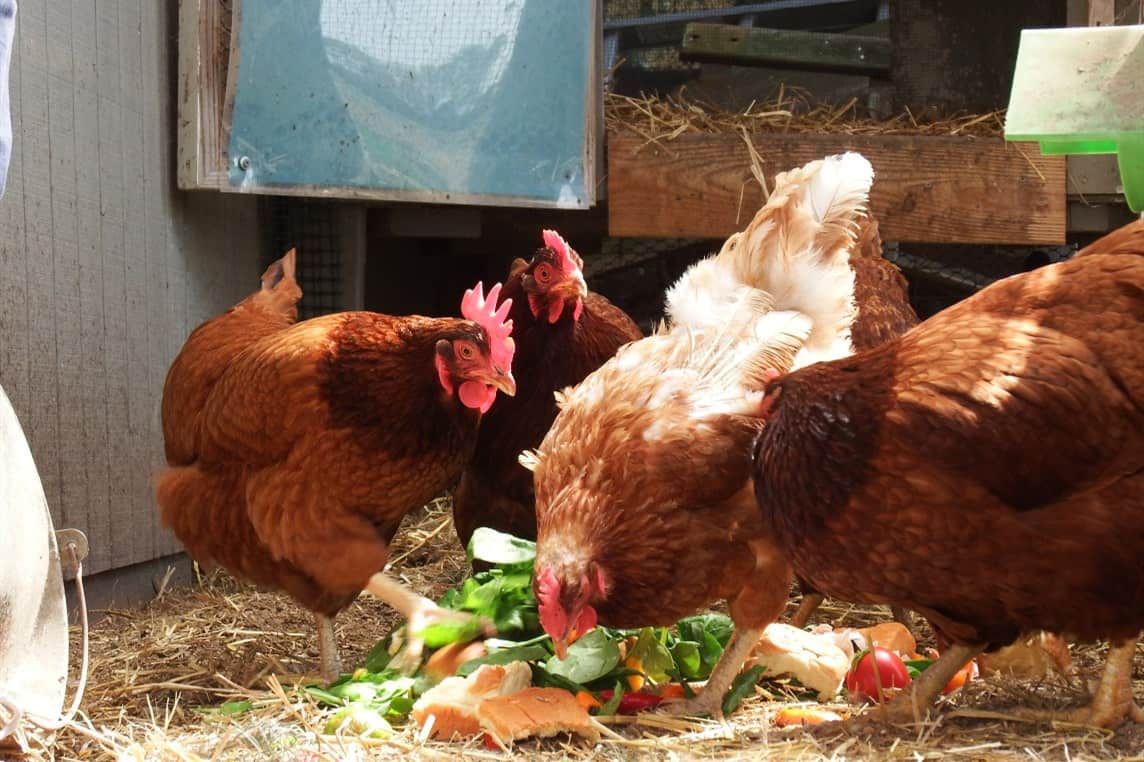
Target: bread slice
[
  {"x": 535, "y": 712},
  {"x": 453, "y": 702},
  {"x": 815, "y": 660}
]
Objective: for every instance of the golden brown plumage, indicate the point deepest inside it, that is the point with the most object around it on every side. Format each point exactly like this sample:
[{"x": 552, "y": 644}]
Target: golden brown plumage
[
  {"x": 881, "y": 296},
  {"x": 555, "y": 348},
  {"x": 986, "y": 469},
  {"x": 316, "y": 439},
  {"x": 880, "y": 292},
  {"x": 211, "y": 347}
]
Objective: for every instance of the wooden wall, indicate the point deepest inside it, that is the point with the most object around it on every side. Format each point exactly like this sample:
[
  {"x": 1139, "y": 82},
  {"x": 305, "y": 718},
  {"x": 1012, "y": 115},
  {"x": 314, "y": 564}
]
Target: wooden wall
[{"x": 104, "y": 266}]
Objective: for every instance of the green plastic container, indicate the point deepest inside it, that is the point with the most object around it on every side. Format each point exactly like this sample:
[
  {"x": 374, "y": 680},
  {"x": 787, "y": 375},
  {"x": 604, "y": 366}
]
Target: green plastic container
[{"x": 1080, "y": 90}]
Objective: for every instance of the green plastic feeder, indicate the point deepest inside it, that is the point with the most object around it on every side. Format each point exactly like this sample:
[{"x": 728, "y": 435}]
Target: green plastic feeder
[{"x": 1080, "y": 90}]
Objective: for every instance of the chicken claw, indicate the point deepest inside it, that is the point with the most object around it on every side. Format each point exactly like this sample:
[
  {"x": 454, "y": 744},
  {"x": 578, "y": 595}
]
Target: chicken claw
[
  {"x": 912, "y": 704},
  {"x": 709, "y": 702},
  {"x": 408, "y": 658},
  {"x": 419, "y": 612},
  {"x": 1112, "y": 703}
]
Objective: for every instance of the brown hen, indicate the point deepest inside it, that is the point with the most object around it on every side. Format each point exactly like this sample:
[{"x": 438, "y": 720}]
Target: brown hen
[
  {"x": 986, "y": 469},
  {"x": 311, "y": 443},
  {"x": 644, "y": 505},
  {"x": 562, "y": 332},
  {"x": 884, "y": 312},
  {"x": 211, "y": 347}
]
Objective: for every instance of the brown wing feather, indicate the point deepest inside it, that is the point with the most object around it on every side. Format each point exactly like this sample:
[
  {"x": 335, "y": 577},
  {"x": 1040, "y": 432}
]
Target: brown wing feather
[
  {"x": 986, "y": 470},
  {"x": 213, "y": 345},
  {"x": 880, "y": 291}
]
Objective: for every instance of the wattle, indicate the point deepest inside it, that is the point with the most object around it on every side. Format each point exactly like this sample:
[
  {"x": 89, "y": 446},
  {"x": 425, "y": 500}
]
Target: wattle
[{"x": 476, "y": 395}]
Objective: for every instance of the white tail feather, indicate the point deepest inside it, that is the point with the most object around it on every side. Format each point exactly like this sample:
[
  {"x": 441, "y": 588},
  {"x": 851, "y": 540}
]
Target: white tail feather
[{"x": 796, "y": 249}]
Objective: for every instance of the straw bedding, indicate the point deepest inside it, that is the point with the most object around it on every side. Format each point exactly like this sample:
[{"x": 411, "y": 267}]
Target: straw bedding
[{"x": 160, "y": 673}]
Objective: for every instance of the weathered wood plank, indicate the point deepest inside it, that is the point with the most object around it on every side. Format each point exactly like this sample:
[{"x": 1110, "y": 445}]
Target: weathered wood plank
[
  {"x": 41, "y": 422},
  {"x": 73, "y": 495},
  {"x": 95, "y": 518},
  {"x": 95, "y": 253},
  {"x": 122, "y": 523},
  {"x": 926, "y": 189},
  {"x": 156, "y": 183},
  {"x": 1101, "y": 12},
  {"x": 729, "y": 43},
  {"x": 140, "y": 399}
]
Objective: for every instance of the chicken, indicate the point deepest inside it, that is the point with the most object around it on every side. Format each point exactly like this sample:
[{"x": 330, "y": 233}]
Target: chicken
[
  {"x": 211, "y": 347},
  {"x": 645, "y": 511},
  {"x": 311, "y": 442},
  {"x": 986, "y": 469},
  {"x": 884, "y": 312},
  {"x": 562, "y": 332}
]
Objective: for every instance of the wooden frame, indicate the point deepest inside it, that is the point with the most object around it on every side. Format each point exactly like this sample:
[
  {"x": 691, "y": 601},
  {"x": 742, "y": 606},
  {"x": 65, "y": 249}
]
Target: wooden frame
[
  {"x": 208, "y": 39},
  {"x": 203, "y": 116},
  {"x": 926, "y": 189}
]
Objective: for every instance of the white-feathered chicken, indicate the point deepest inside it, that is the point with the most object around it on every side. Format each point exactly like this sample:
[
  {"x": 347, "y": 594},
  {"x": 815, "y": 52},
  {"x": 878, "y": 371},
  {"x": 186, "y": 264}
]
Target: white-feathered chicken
[{"x": 644, "y": 503}]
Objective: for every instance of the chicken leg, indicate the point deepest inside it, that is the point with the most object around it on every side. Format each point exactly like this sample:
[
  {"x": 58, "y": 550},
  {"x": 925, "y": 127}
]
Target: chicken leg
[
  {"x": 331, "y": 665},
  {"x": 912, "y": 703},
  {"x": 419, "y": 612},
  {"x": 812, "y": 600},
  {"x": 709, "y": 702},
  {"x": 1112, "y": 703},
  {"x": 807, "y": 606}
]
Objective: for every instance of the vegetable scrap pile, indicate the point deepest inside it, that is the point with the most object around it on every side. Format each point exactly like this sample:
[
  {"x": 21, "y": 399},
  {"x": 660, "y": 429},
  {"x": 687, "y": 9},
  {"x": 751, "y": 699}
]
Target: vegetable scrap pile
[
  {"x": 607, "y": 671},
  {"x": 463, "y": 686}
]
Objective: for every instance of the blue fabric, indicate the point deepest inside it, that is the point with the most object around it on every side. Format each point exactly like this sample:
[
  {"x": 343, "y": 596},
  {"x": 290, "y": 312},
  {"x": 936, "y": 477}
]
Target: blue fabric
[{"x": 7, "y": 33}]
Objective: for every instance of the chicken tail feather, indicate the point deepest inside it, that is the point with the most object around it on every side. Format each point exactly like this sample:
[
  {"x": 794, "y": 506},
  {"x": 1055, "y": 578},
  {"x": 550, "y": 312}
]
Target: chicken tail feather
[
  {"x": 280, "y": 291},
  {"x": 796, "y": 249}
]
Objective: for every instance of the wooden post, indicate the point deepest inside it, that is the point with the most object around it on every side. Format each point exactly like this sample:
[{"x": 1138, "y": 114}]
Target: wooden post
[{"x": 1101, "y": 12}]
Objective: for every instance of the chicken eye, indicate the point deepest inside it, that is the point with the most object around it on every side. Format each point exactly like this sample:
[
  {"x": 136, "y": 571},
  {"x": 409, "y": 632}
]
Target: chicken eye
[
  {"x": 466, "y": 351},
  {"x": 543, "y": 273}
]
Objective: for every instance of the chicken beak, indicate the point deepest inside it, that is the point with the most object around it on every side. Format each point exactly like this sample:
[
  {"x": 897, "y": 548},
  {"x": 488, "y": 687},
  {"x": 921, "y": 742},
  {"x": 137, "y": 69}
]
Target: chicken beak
[
  {"x": 573, "y": 287},
  {"x": 561, "y": 648},
  {"x": 503, "y": 380}
]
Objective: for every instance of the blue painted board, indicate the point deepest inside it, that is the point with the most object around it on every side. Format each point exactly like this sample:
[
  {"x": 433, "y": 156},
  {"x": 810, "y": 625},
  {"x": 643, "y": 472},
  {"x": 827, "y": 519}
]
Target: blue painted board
[{"x": 477, "y": 101}]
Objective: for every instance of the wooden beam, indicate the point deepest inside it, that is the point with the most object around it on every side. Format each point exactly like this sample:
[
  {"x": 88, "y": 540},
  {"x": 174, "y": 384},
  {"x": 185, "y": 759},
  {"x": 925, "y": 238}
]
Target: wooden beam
[
  {"x": 926, "y": 189},
  {"x": 726, "y": 43},
  {"x": 1101, "y": 12}
]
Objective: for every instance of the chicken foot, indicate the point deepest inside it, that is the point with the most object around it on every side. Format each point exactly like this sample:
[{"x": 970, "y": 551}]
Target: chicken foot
[
  {"x": 911, "y": 704},
  {"x": 419, "y": 612},
  {"x": 709, "y": 702},
  {"x": 1112, "y": 702},
  {"x": 330, "y": 663}
]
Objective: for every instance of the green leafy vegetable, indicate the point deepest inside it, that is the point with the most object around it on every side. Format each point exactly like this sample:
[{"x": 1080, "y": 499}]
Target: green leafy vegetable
[
  {"x": 531, "y": 652},
  {"x": 719, "y": 626},
  {"x": 589, "y": 658},
  {"x": 743, "y": 686},
  {"x": 654, "y": 658},
  {"x": 612, "y": 705},
  {"x": 688, "y": 664},
  {"x": 500, "y": 548},
  {"x": 360, "y": 720},
  {"x": 228, "y": 708},
  {"x": 443, "y": 633},
  {"x": 916, "y": 666}
]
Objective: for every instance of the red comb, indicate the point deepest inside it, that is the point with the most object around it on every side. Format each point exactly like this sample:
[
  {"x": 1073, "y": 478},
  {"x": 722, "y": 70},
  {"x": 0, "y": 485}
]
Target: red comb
[
  {"x": 569, "y": 259},
  {"x": 483, "y": 310}
]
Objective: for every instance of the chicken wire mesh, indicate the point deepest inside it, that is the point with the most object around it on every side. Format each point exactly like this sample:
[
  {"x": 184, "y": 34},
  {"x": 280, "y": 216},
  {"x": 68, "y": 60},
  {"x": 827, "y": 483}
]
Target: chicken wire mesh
[{"x": 310, "y": 227}]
